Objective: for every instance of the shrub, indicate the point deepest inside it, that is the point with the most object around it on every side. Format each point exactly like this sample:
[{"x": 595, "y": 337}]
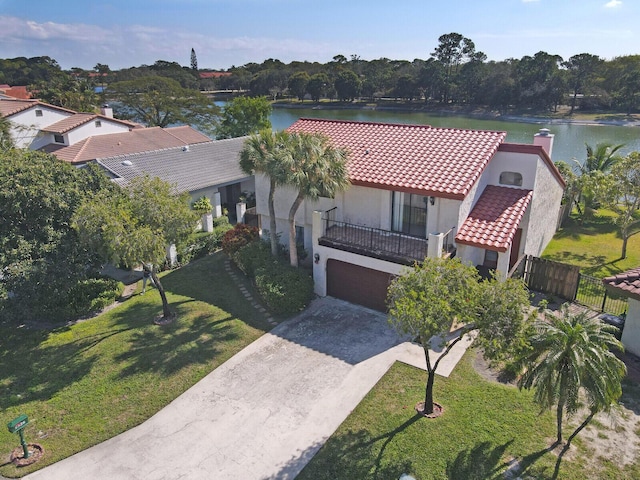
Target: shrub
[
  {"x": 221, "y": 221},
  {"x": 283, "y": 288},
  {"x": 94, "y": 294},
  {"x": 253, "y": 256},
  {"x": 238, "y": 237},
  {"x": 202, "y": 205}
]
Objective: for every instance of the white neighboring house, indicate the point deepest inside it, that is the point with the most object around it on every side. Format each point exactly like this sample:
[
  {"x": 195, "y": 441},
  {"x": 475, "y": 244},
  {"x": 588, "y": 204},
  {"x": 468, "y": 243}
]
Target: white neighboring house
[
  {"x": 35, "y": 124},
  {"x": 420, "y": 191},
  {"x": 627, "y": 284}
]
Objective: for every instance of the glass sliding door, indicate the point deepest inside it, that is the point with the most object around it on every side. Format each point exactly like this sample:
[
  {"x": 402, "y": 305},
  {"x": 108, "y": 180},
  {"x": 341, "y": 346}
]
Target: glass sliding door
[{"x": 409, "y": 214}]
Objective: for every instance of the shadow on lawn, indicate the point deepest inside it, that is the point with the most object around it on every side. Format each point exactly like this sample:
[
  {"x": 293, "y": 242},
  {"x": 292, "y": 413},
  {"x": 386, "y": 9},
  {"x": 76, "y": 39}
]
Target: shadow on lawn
[
  {"x": 356, "y": 455},
  {"x": 484, "y": 461}
]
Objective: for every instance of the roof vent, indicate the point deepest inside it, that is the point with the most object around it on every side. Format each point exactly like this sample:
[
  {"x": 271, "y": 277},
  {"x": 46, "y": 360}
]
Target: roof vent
[
  {"x": 544, "y": 132},
  {"x": 185, "y": 148},
  {"x": 127, "y": 163}
]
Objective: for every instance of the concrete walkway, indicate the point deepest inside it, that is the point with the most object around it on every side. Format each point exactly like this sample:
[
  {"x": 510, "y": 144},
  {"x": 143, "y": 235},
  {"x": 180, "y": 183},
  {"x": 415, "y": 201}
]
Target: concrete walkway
[{"x": 265, "y": 412}]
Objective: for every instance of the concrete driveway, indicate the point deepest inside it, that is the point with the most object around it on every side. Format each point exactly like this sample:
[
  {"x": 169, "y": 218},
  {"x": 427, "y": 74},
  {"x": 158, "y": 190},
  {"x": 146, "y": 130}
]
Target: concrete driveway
[{"x": 264, "y": 413}]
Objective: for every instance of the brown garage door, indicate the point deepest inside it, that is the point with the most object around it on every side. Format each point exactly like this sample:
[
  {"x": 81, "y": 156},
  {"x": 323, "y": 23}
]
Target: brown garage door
[{"x": 356, "y": 284}]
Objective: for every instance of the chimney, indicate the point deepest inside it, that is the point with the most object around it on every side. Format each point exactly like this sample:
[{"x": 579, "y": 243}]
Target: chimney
[
  {"x": 545, "y": 139},
  {"x": 106, "y": 111}
]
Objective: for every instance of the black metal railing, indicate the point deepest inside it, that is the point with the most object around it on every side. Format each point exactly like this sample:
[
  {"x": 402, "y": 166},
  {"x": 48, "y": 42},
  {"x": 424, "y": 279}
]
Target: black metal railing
[
  {"x": 591, "y": 292},
  {"x": 373, "y": 242}
]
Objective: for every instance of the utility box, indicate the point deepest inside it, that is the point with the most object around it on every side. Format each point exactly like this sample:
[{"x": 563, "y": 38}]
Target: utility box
[{"x": 18, "y": 423}]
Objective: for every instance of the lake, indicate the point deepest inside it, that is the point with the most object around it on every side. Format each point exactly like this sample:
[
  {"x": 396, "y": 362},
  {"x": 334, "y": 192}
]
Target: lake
[{"x": 569, "y": 141}]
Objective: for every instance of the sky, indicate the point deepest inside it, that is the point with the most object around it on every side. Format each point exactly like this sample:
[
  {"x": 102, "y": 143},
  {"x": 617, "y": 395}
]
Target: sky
[{"x": 226, "y": 33}]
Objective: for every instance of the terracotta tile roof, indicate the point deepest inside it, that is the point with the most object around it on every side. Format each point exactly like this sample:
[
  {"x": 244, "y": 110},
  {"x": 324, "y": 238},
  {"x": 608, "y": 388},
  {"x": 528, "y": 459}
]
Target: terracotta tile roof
[
  {"x": 420, "y": 159},
  {"x": 134, "y": 141},
  {"x": 494, "y": 219},
  {"x": 67, "y": 124},
  {"x": 627, "y": 283},
  {"x": 10, "y": 106},
  {"x": 214, "y": 74},
  {"x": 200, "y": 166},
  {"x": 19, "y": 92}
]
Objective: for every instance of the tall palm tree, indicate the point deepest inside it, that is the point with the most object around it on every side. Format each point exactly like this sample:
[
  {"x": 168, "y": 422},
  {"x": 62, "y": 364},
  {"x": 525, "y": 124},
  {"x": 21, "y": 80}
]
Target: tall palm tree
[
  {"x": 266, "y": 153},
  {"x": 317, "y": 169},
  {"x": 602, "y": 158},
  {"x": 572, "y": 356}
]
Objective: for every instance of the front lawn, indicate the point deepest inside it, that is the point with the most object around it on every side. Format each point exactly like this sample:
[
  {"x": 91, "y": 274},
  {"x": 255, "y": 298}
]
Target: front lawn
[
  {"x": 86, "y": 383},
  {"x": 485, "y": 426},
  {"x": 595, "y": 246}
]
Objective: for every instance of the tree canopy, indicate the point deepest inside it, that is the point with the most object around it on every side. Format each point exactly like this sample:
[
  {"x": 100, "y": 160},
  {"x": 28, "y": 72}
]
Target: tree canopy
[
  {"x": 244, "y": 116},
  {"x": 134, "y": 226}
]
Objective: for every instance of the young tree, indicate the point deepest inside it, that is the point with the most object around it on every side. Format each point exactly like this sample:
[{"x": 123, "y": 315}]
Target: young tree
[
  {"x": 159, "y": 101},
  {"x": 244, "y": 116},
  {"x": 624, "y": 197},
  {"x": 570, "y": 356},
  {"x": 453, "y": 49},
  {"x": 316, "y": 169},
  {"x": 134, "y": 226},
  {"x": 267, "y": 153},
  {"x": 194, "y": 61},
  {"x": 426, "y": 301}
]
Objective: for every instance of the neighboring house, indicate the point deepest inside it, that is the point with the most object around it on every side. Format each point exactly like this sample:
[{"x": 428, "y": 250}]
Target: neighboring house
[
  {"x": 134, "y": 141},
  {"x": 20, "y": 92},
  {"x": 208, "y": 169},
  {"x": 35, "y": 124},
  {"x": 627, "y": 284},
  {"x": 420, "y": 191}
]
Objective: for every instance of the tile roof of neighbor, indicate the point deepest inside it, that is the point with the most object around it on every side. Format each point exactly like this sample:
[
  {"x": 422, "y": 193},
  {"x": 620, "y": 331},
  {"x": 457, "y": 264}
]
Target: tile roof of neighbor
[
  {"x": 67, "y": 124},
  {"x": 19, "y": 91},
  {"x": 199, "y": 166},
  {"x": 11, "y": 106},
  {"x": 496, "y": 216},
  {"x": 134, "y": 141},
  {"x": 627, "y": 283},
  {"x": 421, "y": 159}
]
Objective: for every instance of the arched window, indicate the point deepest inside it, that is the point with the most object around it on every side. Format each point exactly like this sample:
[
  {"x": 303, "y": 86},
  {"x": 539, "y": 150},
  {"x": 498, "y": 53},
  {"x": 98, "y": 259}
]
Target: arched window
[{"x": 511, "y": 178}]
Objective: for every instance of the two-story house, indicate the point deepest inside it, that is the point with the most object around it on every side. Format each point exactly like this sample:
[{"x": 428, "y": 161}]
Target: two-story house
[{"x": 419, "y": 191}]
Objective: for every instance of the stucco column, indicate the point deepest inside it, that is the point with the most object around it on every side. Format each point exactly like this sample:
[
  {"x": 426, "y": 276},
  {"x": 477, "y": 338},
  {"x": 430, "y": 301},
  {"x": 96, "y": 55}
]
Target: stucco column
[
  {"x": 503, "y": 265},
  {"x": 172, "y": 255},
  {"x": 241, "y": 209},
  {"x": 319, "y": 266},
  {"x": 217, "y": 205},
  {"x": 207, "y": 222},
  {"x": 435, "y": 245}
]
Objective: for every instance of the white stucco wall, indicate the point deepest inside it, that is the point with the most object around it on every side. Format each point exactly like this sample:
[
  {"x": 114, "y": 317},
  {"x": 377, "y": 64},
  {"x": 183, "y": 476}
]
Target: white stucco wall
[
  {"x": 522, "y": 163},
  {"x": 25, "y": 126},
  {"x": 631, "y": 332},
  {"x": 89, "y": 129}
]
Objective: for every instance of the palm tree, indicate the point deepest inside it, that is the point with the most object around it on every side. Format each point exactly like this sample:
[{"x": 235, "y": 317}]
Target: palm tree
[
  {"x": 266, "y": 153},
  {"x": 317, "y": 169},
  {"x": 602, "y": 158},
  {"x": 572, "y": 356}
]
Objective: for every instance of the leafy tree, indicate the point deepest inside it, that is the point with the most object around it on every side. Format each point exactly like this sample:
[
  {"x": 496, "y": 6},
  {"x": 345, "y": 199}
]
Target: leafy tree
[
  {"x": 624, "y": 196},
  {"x": 298, "y": 84},
  {"x": 315, "y": 168},
  {"x": 427, "y": 300},
  {"x": 194, "y": 61},
  {"x": 244, "y": 116},
  {"x": 134, "y": 226},
  {"x": 40, "y": 257},
  {"x": 570, "y": 356},
  {"x": 581, "y": 70},
  {"x": 347, "y": 85},
  {"x": 453, "y": 49},
  {"x": 67, "y": 92},
  {"x": 317, "y": 86},
  {"x": 540, "y": 81},
  {"x": 267, "y": 153},
  {"x": 159, "y": 101}
]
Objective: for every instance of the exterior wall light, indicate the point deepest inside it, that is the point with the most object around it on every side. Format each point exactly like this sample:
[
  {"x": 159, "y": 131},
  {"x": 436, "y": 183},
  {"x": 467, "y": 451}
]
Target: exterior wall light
[
  {"x": 432, "y": 201},
  {"x": 316, "y": 258}
]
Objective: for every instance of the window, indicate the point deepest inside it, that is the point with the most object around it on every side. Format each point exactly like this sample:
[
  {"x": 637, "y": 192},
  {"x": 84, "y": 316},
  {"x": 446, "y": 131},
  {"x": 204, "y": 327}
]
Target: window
[
  {"x": 409, "y": 214},
  {"x": 98, "y": 123},
  {"x": 511, "y": 178},
  {"x": 58, "y": 138},
  {"x": 38, "y": 113}
]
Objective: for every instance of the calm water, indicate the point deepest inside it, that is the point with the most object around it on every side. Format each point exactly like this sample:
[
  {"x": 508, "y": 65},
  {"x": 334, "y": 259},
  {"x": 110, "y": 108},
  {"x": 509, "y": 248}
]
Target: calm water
[{"x": 569, "y": 139}]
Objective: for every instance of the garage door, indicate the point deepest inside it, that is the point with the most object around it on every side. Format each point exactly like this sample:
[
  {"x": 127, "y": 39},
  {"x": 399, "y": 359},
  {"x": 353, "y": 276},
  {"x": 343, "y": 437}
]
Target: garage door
[{"x": 357, "y": 284}]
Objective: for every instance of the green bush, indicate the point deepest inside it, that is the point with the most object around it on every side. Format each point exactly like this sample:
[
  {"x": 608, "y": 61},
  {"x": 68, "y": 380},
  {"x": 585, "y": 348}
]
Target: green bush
[
  {"x": 238, "y": 237},
  {"x": 283, "y": 288},
  {"x": 253, "y": 256},
  {"x": 93, "y": 295},
  {"x": 221, "y": 221}
]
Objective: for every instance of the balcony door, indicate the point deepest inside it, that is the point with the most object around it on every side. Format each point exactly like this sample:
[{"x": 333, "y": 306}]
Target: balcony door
[{"x": 410, "y": 214}]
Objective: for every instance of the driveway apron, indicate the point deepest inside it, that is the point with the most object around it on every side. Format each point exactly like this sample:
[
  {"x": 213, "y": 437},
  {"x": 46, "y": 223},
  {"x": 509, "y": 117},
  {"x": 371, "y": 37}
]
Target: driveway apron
[{"x": 262, "y": 414}]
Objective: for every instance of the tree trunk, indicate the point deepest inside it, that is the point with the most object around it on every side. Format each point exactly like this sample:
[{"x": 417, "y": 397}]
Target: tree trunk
[
  {"x": 559, "y": 410},
  {"x": 428, "y": 394},
  {"x": 166, "y": 312},
  {"x": 293, "y": 248},
  {"x": 625, "y": 239},
  {"x": 579, "y": 429},
  {"x": 273, "y": 235}
]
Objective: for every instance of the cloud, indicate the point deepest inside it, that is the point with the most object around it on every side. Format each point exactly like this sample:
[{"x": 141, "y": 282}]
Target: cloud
[{"x": 613, "y": 4}]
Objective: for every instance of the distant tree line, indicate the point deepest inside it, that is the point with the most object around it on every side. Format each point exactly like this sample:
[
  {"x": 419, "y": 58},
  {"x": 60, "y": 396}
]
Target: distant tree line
[{"x": 454, "y": 74}]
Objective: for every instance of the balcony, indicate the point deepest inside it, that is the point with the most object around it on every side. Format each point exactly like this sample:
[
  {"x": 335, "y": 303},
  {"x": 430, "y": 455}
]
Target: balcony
[{"x": 374, "y": 242}]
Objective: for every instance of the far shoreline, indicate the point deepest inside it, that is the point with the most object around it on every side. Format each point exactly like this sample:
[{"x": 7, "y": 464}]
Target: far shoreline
[{"x": 626, "y": 121}]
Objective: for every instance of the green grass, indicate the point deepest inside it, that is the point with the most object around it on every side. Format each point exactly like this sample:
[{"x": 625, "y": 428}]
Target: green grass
[
  {"x": 595, "y": 246},
  {"x": 485, "y": 426},
  {"x": 86, "y": 383}
]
